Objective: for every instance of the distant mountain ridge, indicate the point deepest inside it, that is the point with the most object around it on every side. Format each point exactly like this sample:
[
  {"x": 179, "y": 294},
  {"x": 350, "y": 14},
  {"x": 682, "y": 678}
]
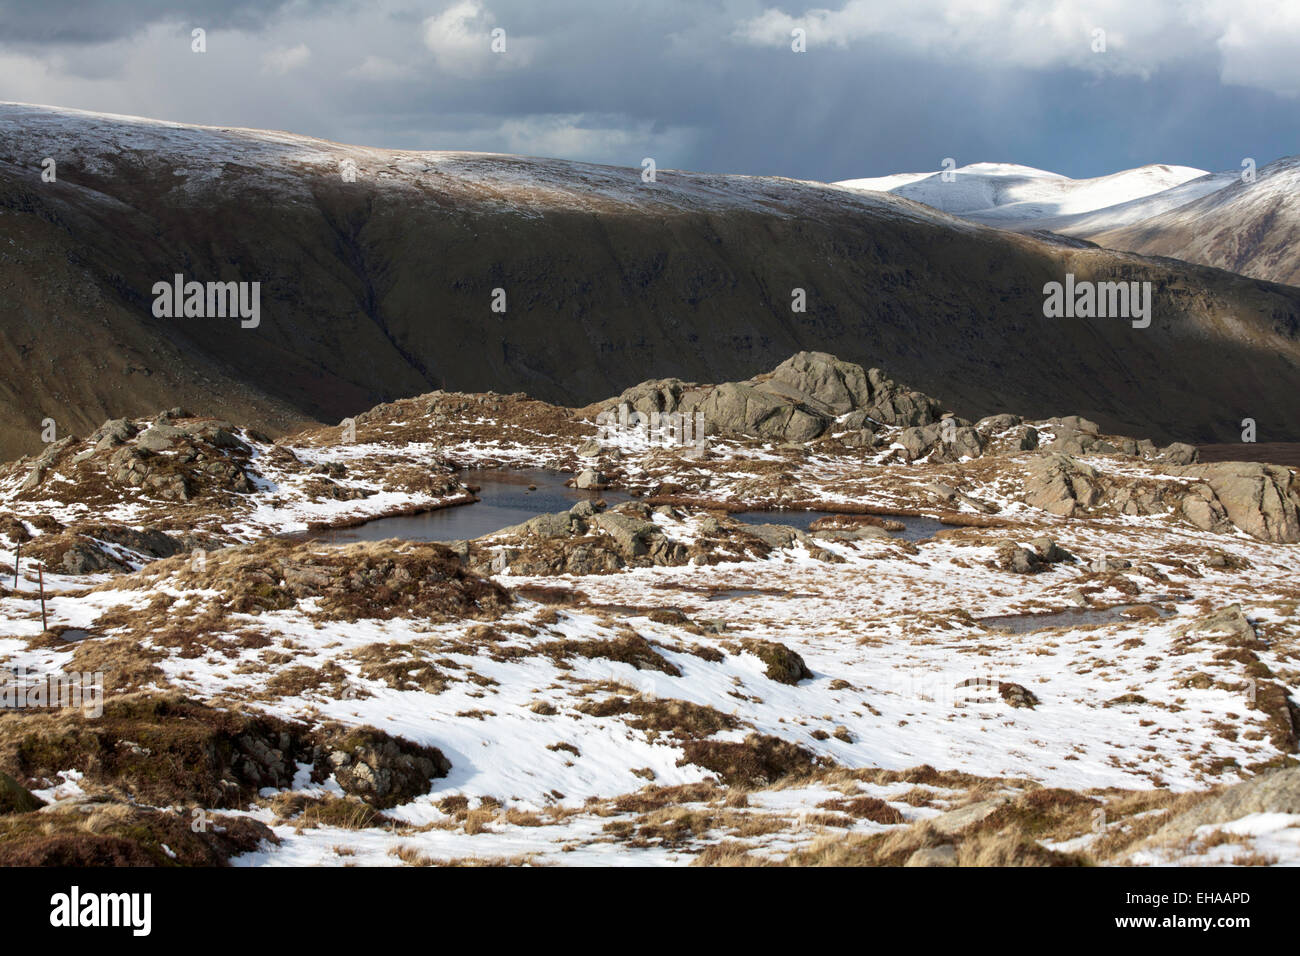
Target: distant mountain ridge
[
  {"x": 1215, "y": 219},
  {"x": 1248, "y": 227},
  {"x": 1024, "y": 198}
]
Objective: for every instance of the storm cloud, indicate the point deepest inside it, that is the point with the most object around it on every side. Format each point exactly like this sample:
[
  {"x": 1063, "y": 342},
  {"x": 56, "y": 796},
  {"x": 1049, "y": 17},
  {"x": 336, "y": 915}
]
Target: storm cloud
[{"x": 712, "y": 85}]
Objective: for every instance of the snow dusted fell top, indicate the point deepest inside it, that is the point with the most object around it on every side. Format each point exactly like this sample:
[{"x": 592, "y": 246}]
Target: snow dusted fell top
[
  {"x": 1250, "y": 225},
  {"x": 90, "y": 147},
  {"x": 1021, "y": 197}
]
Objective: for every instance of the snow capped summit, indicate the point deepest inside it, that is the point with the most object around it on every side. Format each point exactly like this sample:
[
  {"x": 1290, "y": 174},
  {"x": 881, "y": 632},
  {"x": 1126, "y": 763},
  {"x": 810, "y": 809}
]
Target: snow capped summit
[
  {"x": 1215, "y": 219},
  {"x": 972, "y": 191},
  {"x": 1022, "y": 197}
]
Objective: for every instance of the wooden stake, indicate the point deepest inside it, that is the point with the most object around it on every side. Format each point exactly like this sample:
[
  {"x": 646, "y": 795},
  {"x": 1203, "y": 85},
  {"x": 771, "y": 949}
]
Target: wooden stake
[
  {"x": 41, "y": 572},
  {"x": 18, "y": 553}
]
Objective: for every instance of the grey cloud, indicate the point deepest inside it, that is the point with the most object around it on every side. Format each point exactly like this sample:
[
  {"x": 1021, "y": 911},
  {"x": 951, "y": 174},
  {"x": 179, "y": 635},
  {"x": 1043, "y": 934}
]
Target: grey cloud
[
  {"x": 100, "y": 21},
  {"x": 613, "y": 83}
]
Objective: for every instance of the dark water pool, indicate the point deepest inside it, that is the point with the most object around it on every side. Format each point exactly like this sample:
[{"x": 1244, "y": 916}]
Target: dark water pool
[{"x": 505, "y": 500}]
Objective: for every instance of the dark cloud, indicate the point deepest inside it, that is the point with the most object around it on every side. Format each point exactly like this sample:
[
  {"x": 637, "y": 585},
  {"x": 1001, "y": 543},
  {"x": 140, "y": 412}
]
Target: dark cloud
[{"x": 97, "y": 21}]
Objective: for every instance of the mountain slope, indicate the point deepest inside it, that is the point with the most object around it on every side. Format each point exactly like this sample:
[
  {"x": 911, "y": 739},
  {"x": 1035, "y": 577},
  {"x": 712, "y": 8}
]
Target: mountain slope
[
  {"x": 1251, "y": 228},
  {"x": 383, "y": 287}
]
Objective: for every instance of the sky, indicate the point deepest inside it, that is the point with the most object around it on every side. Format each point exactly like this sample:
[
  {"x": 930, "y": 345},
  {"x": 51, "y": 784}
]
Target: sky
[{"x": 1079, "y": 88}]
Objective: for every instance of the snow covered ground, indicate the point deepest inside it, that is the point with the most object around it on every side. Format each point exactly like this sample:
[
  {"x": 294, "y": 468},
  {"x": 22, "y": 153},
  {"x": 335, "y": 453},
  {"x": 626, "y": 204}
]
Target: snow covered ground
[
  {"x": 768, "y": 701},
  {"x": 891, "y": 634}
]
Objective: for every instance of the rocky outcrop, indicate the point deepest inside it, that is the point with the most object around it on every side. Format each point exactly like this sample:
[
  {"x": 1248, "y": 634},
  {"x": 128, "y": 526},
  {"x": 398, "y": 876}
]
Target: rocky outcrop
[
  {"x": 114, "y": 432},
  {"x": 943, "y": 855},
  {"x": 586, "y": 540},
  {"x": 41, "y": 465},
  {"x": 955, "y": 821},
  {"x": 582, "y": 540},
  {"x": 178, "y": 462},
  {"x": 738, "y": 408},
  {"x": 1179, "y": 453},
  {"x": 814, "y": 396},
  {"x": 835, "y": 388},
  {"x": 379, "y": 580},
  {"x": 93, "y": 549},
  {"x": 383, "y": 771},
  {"x": 1277, "y": 791},
  {"x": 74, "y": 554},
  {"x": 1227, "y": 626},
  {"x": 1262, "y": 500},
  {"x": 183, "y": 466},
  {"x": 215, "y": 757},
  {"x": 808, "y": 395},
  {"x": 147, "y": 542},
  {"x": 175, "y": 458},
  {"x": 1040, "y": 556},
  {"x": 782, "y": 664},
  {"x": 1075, "y": 435},
  {"x": 778, "y": 536},
  {"x": 1061, "y": 485},
  {"x": 950, "y": 439}
]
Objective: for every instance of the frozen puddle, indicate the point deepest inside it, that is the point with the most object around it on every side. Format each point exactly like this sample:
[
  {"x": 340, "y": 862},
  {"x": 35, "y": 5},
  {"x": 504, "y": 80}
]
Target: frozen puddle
[
  {"x": 729, "y": 594},
  {"x": 1070, "y": 617},
  {"x": 914, "y": 528}
]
